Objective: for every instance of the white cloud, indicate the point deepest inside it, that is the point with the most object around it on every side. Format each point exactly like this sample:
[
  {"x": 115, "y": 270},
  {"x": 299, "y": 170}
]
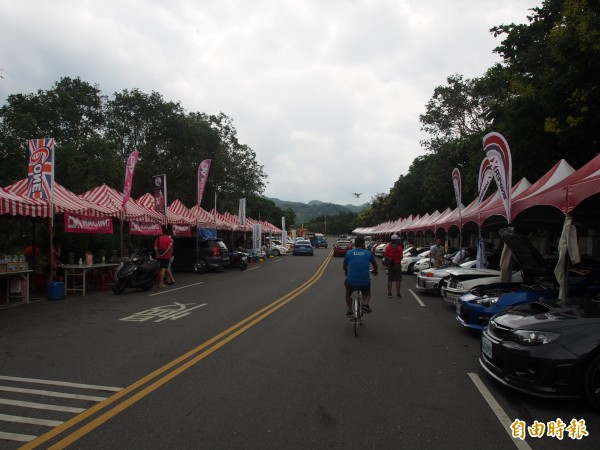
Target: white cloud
[{"x": 328, "y": 94}]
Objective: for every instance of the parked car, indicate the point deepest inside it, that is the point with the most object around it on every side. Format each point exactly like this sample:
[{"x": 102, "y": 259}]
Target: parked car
[
  {"x": 212, "y": 255},
  {"x": 303, "y": 248},
  {"x": 462, "y": 279},
  {"x": 277, "y": 248},
  {"x": 476, "y": 307},
  {"x": 319, "y": 241},
  {"x": 409, "y": 260},
  {"x": 371, "y": 246},
  {"x": 430, "y": 280},
  {"x": 380, "y": 249},
  {"x": 546, "y": 349},
  {"x": 341, "y": 247}
]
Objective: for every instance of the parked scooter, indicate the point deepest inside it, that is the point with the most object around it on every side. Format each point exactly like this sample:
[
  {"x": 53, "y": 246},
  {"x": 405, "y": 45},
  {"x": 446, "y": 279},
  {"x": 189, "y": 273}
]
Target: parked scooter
[
  {"x": 238, "y": 259},
  {"x": 139, "y": 272}
]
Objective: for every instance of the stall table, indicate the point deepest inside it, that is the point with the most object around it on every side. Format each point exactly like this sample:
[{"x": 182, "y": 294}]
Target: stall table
[
  {"x": 78, "y": 272},
  {"x": 23, "y": 274}
]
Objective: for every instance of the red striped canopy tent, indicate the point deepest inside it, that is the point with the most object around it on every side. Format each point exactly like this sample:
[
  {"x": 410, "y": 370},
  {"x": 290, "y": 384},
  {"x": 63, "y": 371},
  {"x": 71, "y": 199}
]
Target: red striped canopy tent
[
  {"x": 63, "y": 200},
  {"x": 106, "y": 197},
  {"x": 179, "y": 209},
  {"x": 202, "y": 218},
  {"x": 270, "y": 227},
  {"x": 147, "y": 200},
  {"x": 235, "y": 221},
  {"x": 222, "y": 224},
  {"x": 22, "y": 206}
]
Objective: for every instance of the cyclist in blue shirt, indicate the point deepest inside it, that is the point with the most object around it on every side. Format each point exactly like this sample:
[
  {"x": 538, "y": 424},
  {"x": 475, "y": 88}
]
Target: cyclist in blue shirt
[{"x": 356, "y": 268}]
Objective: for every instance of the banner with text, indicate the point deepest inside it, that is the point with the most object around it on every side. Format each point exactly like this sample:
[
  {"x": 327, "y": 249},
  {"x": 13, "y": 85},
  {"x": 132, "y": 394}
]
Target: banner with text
[
  {"x": 182, "y": 230},
  {"x": 76, "y": 223},
  {"x": 159, "y": 184},
  {"x": 144, "y": 228}
]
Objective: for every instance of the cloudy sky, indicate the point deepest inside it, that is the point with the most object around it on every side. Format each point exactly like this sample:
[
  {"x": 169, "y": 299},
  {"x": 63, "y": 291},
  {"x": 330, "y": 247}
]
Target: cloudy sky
[{"x": 326, "y": 92}]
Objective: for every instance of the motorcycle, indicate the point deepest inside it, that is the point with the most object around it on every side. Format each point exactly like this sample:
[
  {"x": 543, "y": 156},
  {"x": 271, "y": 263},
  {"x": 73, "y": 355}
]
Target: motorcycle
[
  {"x": 238, "y": 259},
  {"x": 139, "y": 272}
]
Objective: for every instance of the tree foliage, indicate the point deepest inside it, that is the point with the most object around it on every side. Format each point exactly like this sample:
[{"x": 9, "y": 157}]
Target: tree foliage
[
  {"x": 95, "y": 134},
  {"x": 544, "y": 98}
]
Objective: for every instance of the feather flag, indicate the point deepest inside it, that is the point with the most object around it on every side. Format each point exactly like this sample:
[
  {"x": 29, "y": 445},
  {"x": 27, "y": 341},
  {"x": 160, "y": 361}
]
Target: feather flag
[
  {"x": 456, "y": 182},
  {"x": 129, "y": 170},
  {"x": 242, "y": 212},
  {"x": 40, "y": 172},
  {"x": 485, "y": 178},
  {"x": 498, "y": 154},
  {"x": 203, "y": 170}
]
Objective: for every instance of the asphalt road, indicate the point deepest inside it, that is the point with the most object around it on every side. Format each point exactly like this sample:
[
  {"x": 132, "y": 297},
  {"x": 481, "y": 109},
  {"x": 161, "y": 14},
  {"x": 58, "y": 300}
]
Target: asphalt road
[{"x": 263, "y": 358}]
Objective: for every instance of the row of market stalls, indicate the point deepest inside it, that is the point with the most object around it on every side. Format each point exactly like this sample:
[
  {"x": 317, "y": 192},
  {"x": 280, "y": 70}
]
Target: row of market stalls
[
  {"x": 561, "y": 192},
  {"x": 105, "y": 202}
]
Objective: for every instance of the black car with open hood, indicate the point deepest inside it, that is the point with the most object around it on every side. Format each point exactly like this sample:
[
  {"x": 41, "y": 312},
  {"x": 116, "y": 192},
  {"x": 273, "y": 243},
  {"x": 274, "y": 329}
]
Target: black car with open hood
[{"x": 546, "y": 349}]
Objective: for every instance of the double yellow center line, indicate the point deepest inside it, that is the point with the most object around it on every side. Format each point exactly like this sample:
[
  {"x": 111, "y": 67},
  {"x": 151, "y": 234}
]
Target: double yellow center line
[{"x": 92, "y": 418}]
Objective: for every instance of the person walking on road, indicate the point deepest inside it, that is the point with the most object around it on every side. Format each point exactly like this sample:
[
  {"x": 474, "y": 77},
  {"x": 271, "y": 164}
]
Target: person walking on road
[
  {"x": 356, "y": 268},
  {"x": 391, "y": 258}
]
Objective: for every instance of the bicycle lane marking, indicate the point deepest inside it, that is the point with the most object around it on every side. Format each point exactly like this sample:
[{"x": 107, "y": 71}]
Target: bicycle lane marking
[
  {"x": 161, "y": 376},
  {"x": 416, "y": 297}
]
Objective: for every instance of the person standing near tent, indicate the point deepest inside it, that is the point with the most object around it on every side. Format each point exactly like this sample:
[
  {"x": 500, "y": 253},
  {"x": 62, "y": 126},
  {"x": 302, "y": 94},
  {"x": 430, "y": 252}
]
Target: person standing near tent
[{"x": 163, "y": 246}]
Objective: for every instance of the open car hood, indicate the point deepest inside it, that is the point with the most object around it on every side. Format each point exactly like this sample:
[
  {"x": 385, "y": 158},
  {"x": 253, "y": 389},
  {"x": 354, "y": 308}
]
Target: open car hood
[
  {"x": 531, "y": 261},
  {"x": 545, "y": 315}
]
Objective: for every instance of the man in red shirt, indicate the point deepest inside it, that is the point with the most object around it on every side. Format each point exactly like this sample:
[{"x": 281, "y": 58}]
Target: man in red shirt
[
  {"x": 163, "y": 246},
  {"x": 393, "y": 256}
]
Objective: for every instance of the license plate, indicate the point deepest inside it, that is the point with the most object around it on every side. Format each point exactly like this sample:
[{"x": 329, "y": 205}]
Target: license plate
[{"x": 486, "y": 347}]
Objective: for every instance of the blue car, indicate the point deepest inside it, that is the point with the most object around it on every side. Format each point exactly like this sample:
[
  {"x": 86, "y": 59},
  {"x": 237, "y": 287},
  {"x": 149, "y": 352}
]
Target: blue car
[
  {"x": 475, "y": 308},
  {"x": 303, "y": 248}
]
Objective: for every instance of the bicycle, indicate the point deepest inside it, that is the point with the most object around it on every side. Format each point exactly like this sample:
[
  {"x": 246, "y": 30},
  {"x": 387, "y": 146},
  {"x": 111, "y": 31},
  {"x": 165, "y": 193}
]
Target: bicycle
[{"x": 357, "y": 312}]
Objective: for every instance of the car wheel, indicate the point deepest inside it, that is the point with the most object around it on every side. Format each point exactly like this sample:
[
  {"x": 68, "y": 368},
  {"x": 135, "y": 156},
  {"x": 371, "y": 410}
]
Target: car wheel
[
  {"x": 201, "y": 266},
  {"x": 243, "y": 265},
  {"x": 591, "y": 383},
  {"x": 275, "y": 252},
  {"x": 411, "y": 268}
]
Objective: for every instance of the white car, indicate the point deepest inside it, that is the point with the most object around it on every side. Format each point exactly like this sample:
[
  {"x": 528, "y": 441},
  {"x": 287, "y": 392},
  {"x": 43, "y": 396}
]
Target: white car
[
  {"x": 461, "y": 280},
  {"x": 408, "y": 262},
  {"x": 380, "y": 249},
  {"x": 421, "y": 265},
  {"x": 430, "y": 280},
  {"x": 277, "y": 248}
]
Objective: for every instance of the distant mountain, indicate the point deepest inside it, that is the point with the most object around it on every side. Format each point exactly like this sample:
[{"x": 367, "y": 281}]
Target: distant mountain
[{"x": 315, "y": 208}]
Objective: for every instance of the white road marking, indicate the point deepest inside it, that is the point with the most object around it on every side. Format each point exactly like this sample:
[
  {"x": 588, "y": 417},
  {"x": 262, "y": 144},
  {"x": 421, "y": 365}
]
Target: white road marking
[
  {"x": 51, "y": 393},
  {"x": 16, "y": 437},
  {"x": 30, "y": 420},
  {"x": 41, "y": 406},
  {"x": 497, "y": 410},
  {"x": 417, "y": 297},
  {"x": 61, "y": 383},
  {"x": 175, "y": 289}
]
